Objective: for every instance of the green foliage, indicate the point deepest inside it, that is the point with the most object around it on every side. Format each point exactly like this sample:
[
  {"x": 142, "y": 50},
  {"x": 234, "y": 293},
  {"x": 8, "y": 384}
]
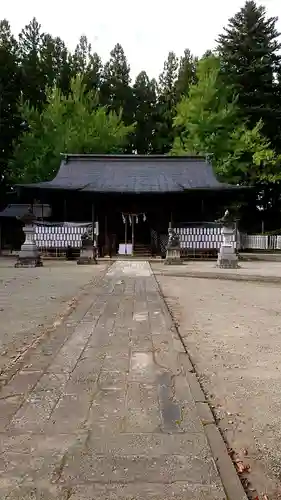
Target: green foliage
[
  {"x": 10, "y": 87},
  {"x": 33, "y": 80},
  {"x": 226, "y": 106},
  {"x": 55, "y": 63},
  {"x": 249, "y": 51},
  {"x": 206, "y": 116},
  {"x": 186, "y": 74},
  {"x": 210, "y": 123},
  {"x": 115, "y": 88},
  {"x": 165, "y": 108},
  {"x": 68, "y": 124},
  {"x": 87, "y": 64},
  {"x": 251, "y": 159},
  {"x": 145, "y": 98}
]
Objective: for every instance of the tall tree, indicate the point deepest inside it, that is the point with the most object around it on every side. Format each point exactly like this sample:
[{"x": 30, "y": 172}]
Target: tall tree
[
  {"x": 207, "y": 115},
  {"x": 87, "y": 63},
  {"x": 115, "y": 91},
  {"x": 249, "y": 50},
  {"x": 33, "y": 77},
  {"x": 71, "y": 124},
  {"x": 81, "y": 55},
  {"x": 167, "y": 98},
  {"x": 210, "y": 124},
  {"x": 186, "y": 73},
  {"x": 55, "y": 62},
  {"x": 167, "y": 78},
  {"x": 144, "y": 92},
  {"x": 10, "y": 89},
  {"x": 94, "y": 72}
]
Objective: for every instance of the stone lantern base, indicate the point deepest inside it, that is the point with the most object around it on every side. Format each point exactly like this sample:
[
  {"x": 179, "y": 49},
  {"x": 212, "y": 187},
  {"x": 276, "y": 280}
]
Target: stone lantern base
[
  {"x": 227, "y": 258},
  {"x": 29, "y": 255},
  {"x": 173, "y": 256},
  {"x": 28, "y": 261},
  {"x": 87, "y": 255}
]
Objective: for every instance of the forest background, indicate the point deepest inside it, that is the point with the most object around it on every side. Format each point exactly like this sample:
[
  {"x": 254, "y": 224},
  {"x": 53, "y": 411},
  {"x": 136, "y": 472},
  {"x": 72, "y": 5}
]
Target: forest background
[{"x": 225, "y": 105}]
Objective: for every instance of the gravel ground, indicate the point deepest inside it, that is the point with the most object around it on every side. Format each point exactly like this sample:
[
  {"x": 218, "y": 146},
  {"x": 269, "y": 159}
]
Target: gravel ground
[
  {"x": 34, "y": 299},
  {"x": 264, "y": 269},
  {"x": 233, "y": 333}
]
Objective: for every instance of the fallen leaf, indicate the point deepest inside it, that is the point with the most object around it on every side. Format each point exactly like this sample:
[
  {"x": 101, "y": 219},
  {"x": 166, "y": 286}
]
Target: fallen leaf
[{"x": 241, "y": 467}]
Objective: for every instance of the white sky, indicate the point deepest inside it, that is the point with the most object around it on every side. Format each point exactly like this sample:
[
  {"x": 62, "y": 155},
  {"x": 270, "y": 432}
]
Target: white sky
[{"x": 147, "y": 29}]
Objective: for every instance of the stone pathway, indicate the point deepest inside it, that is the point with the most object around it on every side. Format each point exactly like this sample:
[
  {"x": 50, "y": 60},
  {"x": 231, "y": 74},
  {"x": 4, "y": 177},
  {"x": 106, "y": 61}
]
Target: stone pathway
[{"x": 102, "y": 410}]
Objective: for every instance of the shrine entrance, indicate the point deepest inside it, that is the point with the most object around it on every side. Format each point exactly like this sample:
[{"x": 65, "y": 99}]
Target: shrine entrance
[{"x": 137, "y": 236}]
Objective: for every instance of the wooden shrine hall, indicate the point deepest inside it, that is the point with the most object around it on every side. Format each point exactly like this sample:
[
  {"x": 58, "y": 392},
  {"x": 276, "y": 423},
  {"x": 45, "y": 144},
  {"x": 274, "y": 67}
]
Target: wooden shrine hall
[{"x": 132, "y": 199}]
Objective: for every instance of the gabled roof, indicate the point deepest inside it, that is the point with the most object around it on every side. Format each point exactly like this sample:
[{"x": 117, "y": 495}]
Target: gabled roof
[{"x": 132, "y": 174}]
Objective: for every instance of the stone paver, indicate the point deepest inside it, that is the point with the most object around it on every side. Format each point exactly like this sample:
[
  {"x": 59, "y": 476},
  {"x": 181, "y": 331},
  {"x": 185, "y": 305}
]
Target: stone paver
[{"x": 110, "y": 415}]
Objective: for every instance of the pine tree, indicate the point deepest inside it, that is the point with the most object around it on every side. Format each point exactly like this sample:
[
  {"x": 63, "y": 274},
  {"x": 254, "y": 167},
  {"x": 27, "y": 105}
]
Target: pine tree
[
  {"x": 186, "y": 73},
  {"x": 87, "y": 64},
  {"x": 115, "y": 89},
  {"x": 10, "y": 89},
  {"x": 55, "y": 62},
  {"x": 81, "y": 56},
  {"x": 33, "y": 76},
  {"x": 93, "y": 72},
  {"x": 167, "y": 99},
  {"x": 250, "y": 59},
  {"x": 144, "y": 92}
]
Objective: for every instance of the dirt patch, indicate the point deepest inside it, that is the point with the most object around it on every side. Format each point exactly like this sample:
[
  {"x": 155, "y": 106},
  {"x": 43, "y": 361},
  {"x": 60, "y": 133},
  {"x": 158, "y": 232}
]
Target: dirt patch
[
  {"x": 32, "y": 300},
  {"x": 233, "y": 333}
]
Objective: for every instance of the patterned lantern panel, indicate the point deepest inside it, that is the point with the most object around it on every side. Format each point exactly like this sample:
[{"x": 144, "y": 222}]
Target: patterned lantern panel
[{"x": 60, "y": 236}]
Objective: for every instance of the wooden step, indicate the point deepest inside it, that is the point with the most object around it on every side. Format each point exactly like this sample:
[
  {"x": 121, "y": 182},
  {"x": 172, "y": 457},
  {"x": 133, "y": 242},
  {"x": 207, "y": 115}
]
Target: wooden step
[{"x": 142, "y": 250}]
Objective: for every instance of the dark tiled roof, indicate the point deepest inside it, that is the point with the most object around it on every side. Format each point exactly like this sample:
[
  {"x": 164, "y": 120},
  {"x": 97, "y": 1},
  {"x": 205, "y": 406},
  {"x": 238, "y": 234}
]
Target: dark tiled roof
[
  {"x": 18, "y": 210},
  {"x": 133, "y": 174}
]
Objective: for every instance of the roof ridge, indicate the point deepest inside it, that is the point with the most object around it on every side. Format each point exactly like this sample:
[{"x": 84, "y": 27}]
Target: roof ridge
[{"x": 167, "y": 158}]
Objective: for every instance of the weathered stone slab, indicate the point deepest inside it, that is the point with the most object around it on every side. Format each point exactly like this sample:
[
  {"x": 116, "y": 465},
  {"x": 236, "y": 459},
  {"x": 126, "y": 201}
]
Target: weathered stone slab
[
  {"x": 144, "y": 491},
  {"x": 143, "y": 413},
  {"x": 35, "y": 412},
  {"x": 91, "y": 467},
  {"x": 70, "y": 413}
]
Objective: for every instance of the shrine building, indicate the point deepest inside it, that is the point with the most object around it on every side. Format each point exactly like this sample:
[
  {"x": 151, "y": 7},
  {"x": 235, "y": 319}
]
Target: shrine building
[{"x": 132, "y": 199}]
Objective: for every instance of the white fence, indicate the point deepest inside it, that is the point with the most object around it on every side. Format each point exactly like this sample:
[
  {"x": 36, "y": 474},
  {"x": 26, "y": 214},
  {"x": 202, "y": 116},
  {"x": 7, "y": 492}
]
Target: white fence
[
  {"x": 210, "y": 238},
  {"x": 260, "y": 242}
]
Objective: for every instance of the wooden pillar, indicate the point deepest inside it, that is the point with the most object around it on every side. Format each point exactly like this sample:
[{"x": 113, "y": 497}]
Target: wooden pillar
[
  {"x": 105, "y": 236},
  {"x": 64, "y": 210},
  {"x": 126, "y": 233},
  {"x": 171, "y": 220},
  {"x": 133, "y": 233},
  {"x": 93, "y": 220}
]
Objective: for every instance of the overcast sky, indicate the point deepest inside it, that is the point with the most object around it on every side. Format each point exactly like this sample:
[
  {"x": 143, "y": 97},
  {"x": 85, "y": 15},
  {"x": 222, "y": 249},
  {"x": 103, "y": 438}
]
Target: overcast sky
[{"x": 147, "y": 29}]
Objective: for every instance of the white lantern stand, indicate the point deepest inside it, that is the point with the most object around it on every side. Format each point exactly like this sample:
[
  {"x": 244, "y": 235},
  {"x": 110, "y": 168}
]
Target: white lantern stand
[
  {"x": 29, "y": 255},
  {"x": 228, "y": 258}
]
